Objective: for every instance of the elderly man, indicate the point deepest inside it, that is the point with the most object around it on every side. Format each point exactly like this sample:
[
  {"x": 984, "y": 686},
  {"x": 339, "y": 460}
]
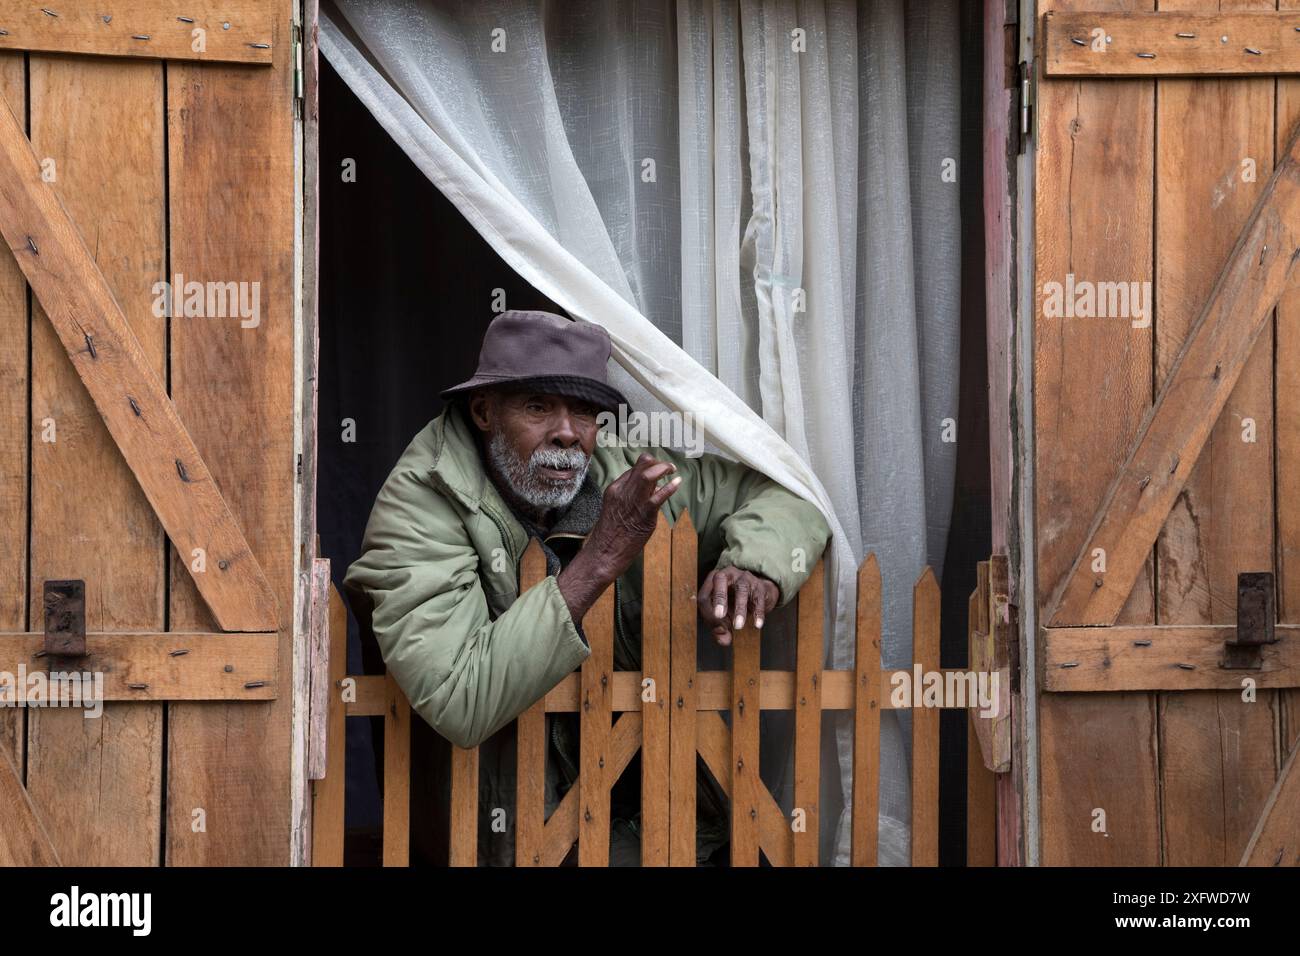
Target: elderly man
[{"x": 515, "y": 457}]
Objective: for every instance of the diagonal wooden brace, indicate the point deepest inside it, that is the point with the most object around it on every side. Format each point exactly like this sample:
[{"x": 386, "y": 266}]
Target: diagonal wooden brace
[
  {"x": 126, "y": 391},
  {"x": 1179, "y": 423}
]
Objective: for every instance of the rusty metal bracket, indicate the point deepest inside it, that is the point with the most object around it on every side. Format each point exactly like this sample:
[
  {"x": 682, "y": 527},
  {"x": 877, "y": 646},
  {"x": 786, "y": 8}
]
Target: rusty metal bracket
[
  {"x": 1256, "y": 617},
  {"x": 65, "y": 618}
]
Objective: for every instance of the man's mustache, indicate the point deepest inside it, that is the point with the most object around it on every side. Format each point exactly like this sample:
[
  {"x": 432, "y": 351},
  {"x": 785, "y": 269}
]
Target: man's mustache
[{"x": 560, "y": 458}]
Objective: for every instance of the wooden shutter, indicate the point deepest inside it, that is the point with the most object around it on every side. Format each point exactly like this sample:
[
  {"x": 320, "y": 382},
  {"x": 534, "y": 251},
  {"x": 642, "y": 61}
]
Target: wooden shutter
[
  {"x": 1167, "y": 452},
  {"x": 138, "y": 143}
]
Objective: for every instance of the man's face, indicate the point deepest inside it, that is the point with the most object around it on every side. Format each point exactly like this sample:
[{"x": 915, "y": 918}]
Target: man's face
[{"x": 540, "y": 444}]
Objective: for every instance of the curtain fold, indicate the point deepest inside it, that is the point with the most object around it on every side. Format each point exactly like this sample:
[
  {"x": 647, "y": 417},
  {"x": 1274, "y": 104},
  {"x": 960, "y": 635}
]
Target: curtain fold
[{"x": 749, "y": 197}]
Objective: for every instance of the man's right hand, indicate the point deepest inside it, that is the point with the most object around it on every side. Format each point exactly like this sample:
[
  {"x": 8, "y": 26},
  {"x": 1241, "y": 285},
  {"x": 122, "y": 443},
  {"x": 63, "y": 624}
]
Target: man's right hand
[{"x": 628, "y": 513}]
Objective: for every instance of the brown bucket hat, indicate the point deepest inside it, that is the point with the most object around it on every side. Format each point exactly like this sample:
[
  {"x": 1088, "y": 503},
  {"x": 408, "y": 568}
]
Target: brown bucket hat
[{"x": 547, "y": 352}]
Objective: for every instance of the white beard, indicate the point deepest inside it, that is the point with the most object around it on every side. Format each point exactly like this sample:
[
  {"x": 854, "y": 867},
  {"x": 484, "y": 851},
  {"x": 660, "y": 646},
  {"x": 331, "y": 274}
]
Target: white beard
[{"x": 523, "y": 476}]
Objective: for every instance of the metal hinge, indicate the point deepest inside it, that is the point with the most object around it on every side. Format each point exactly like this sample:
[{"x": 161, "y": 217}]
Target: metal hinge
[
  {"x": 297, "y": 71},
  {"x": 1026, "y": 102}
]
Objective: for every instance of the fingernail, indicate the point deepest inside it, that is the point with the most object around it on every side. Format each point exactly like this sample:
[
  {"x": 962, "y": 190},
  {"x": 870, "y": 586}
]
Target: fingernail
[
  {"x": 739, "y": 622},
  {"x": 720, "y": 611},
  {"x": 758, "y": 622},
  {"x": 676, "y": 481}
]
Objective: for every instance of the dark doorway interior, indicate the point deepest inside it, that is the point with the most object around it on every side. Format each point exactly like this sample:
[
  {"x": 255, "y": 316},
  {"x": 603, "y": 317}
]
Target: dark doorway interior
[{"x": 406, "y": 289}]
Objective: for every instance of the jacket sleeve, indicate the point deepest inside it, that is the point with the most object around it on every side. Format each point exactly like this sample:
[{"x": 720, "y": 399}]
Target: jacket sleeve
[
  {"x": 417, "y": 580},
  {"x": 746, "y": 520}
]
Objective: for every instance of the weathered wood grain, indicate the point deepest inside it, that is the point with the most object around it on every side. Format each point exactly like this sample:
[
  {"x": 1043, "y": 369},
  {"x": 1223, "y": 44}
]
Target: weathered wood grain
[
  {"x": 24, "y": 839},
  {"x": 925, "y": 725},
  {"x": 235, "y": 31},
  {"x": 1259, "y": 42},
  {"x": 867, "y": 695},
  {"x": 1093, "y": 212},
  {"x": 15, "y": 399},
  {"x": 1167, "y": 657},
  {"x": 1275, "y": 839},
  {"x": 808, "y": 717},
  {"x": 1213, "y": 168},
  {"x": 682, "y": 762},
  {"x": 656, "y": 637},
  {"x": 397, "y": 778},
  {"x": 144, "y": 666},
  {"x": 98, "y": 782},
  {"x": 595, "y": 723},
  {"x": 743, "y": 762},
  {"x": 327, "y": 809},
  {"x": 232, "y": 182},
  {"x": 530, "y": 745}
]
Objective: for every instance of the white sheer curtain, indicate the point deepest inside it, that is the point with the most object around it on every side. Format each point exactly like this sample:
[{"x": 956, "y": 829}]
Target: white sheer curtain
[{"x": 747, "y": 193}]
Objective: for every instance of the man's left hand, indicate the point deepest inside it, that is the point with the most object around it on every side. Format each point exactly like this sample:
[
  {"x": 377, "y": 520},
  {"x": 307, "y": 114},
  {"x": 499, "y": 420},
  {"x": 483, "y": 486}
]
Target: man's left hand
[{"x": 731, "y": 597}]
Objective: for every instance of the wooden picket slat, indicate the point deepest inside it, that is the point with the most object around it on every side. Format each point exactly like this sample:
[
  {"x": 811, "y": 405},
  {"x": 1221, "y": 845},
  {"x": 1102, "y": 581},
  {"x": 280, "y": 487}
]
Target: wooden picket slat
[
  {"x": 595, "y": 723},
  {"x": 925, "y": 725},
  {"x": 808, "y": 718},
  {"x": 773, "y": 827},
  {"x": 745, "y": 782},
  {"x": 683, "y": 742},
  {"x": 327, "y": 806},
  {"x": 866, "y": 717},
  {"x": 530, "y": 790},
  {"x": 397, "y": 778},
  {"x": 656, "y": 623}
]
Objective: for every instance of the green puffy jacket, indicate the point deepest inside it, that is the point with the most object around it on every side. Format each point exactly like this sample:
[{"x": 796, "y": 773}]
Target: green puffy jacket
[{"x": 437, "y": 583}]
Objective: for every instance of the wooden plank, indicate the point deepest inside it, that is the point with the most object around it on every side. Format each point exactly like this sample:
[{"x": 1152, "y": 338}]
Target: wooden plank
[
  {"x": 530, "y": 795},
  {"x": 318, "y": 669},
  {"x": 327, "y": 807},
  {"x": 808, "y": 717},
  {"x": 1173, "y": 43},
  {"x": 1286, "y": 425},
  {"x": 925, "y": 725},
  {"x": 867, "y": 696},
  {"x": 159, "y": 666},
  {"x": 397, "y": 777},
  {"x": 1198, "y": 383},
  {"x": 1275, "y": 840},
  {"x": 1092, "y": 385},
  {"x": 682, "y": 745},
  {"x": 24, "y": 840},
  {"x": 775, "y": 838},
  {"x": 15, "y": 401},
  {"x": 119, "y": 375},
  {"x": 232, "y": 180},
  {"x": 98, "y": 782},
  {"x": 743, "y": 762},
  {"x": 656, "y": 635},
  {"x": 712, "y": 691},
  {"x": 981, "y": 805},
  {"x": 594, "y": 725},
  {"x": 1216, "y": 136},
  {"x": 464, "y": 806},
  {"x": 1167, "y": 657},
  {"x": 233, "y": 31},
  {"x": 562, "y": 827}
]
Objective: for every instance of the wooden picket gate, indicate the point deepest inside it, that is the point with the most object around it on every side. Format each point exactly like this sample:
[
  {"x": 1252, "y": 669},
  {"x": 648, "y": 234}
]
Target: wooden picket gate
[{"x": 683, "y": 718}]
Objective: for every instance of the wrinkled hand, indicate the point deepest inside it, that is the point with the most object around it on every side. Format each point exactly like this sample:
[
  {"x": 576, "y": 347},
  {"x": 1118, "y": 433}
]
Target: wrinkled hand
[{"x": 729, "y": 597}]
